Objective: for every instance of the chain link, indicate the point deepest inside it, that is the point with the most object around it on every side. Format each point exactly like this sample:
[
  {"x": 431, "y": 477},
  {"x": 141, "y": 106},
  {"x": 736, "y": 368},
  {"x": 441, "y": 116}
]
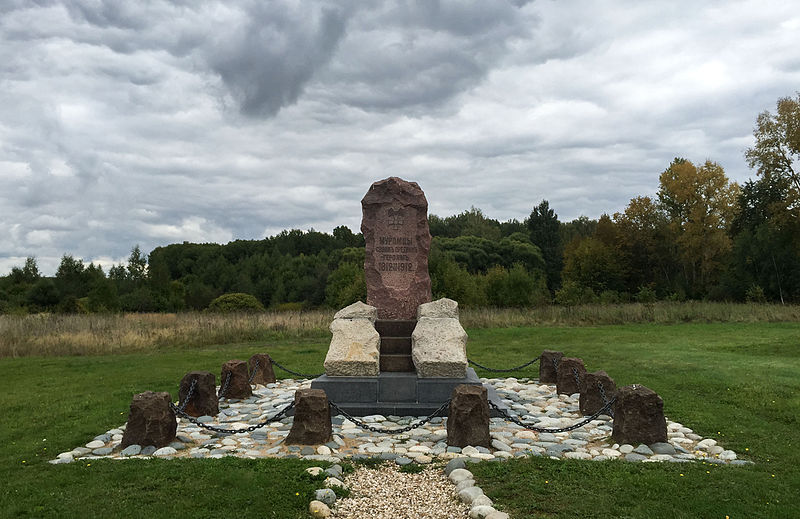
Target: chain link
[
  {"x": 555, "y": 363},
  {"x": 188, "y": 396},
  {"x": 552, "y": 430},
  {"x": 504, "y": 370},
  {"x": 253, "y": 374},
  {"x": 224, "y": 387},
  {"x": 251, "y": 428},
  {"x": 383, "y": 430},
  {"x": 604, "y": 397},
  {"x": 287, "y": 370},
  {"x": 576, "y": 377}
]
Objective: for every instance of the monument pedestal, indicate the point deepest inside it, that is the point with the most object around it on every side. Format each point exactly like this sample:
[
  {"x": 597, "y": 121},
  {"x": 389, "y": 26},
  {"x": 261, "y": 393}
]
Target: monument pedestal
[{"x": 395, "y": 393}]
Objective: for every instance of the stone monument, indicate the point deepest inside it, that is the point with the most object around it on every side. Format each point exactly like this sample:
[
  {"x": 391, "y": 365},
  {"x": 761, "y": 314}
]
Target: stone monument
[
  {"x": 399, "y": 353},
  {"x": 395, "y": 228}
]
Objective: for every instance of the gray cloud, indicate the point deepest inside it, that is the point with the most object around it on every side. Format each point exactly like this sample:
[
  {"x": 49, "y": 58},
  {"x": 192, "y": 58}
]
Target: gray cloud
[{"x": 162, "y": 121}]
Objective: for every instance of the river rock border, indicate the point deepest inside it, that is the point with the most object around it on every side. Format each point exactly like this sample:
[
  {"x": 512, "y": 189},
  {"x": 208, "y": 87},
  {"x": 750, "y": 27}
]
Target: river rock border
[{"x": 536, "y": 403}]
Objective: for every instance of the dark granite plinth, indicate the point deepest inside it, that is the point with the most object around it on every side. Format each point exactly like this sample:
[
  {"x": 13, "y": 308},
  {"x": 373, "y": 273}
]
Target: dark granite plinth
[{"x": 398, "y": 393}]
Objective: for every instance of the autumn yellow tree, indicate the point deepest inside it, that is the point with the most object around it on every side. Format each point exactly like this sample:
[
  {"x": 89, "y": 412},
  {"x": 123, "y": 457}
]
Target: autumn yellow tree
[{"x": 700, "y": 203}]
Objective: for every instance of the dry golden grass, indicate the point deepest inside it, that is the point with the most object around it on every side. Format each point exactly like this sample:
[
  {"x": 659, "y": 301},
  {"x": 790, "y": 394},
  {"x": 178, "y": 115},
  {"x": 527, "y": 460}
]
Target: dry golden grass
[
  {"x": 95, "y": 334},
  {"x": 98, "y": 334},
  {"x": 662, "y": 313}
]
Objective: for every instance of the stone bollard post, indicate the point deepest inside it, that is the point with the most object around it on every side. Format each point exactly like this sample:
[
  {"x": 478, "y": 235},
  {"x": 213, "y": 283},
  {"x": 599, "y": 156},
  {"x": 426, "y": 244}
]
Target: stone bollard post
[
  {"x": 566, "y": 383},
  {"x": 204, "y": 401},
  {"x": 591, "y": 399},
  {"x": 548, "y": 366},
  {"x": 239, "y": 386},
  {"x": 639, "y": 416},
  {"x": 264, "y": 373},
  {"x": 468, "y": 417},
  {"x": 312, "y": 418},
  {"x": 150, "y": 421}
]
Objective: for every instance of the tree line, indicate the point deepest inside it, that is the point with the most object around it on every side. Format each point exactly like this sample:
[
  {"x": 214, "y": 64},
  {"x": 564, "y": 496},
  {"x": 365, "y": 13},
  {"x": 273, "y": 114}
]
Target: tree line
[{"x": 701, "y": 237}]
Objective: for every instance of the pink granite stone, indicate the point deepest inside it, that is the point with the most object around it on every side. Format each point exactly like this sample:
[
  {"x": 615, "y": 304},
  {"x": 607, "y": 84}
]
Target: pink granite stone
[{"x": 395, "y": 227}]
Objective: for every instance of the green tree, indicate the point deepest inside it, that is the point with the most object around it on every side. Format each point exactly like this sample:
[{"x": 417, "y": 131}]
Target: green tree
[
  {"x": 70, "y": 277},
  {"x": 592, "y": 264},
  {"x": 137, "y": 265},
  {"x": 346, "y": 285},
  {"x": 43, "y": 295},
  {"x": 544, "y": 229}
]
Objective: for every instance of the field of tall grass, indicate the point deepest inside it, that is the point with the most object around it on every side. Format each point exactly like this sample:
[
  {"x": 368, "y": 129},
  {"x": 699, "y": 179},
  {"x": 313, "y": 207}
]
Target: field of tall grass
[{"x": 97, "y": 334}]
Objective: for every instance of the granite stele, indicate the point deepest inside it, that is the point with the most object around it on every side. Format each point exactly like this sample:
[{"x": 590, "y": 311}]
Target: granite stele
[{"x": 400, "y": 353}]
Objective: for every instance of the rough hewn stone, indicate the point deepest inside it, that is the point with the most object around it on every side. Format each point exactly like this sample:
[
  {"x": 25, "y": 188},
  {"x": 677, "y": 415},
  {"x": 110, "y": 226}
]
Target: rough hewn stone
[
  {"x": 439, "y": 348},
  {"x": 591, "y": 399},
  {"x": 639, "y": 416},
  {"x": 312, "y": 418},
  {"x": 204, "y": 401},
  {"x": 354, "y": 349},
  {"x": 239, "y": 385},
  {"x": 358, "y": 310},
  {"x": 468, "y": 417},
  {"x": 548, "y": 366},
  {"x": 441, "y": 308},
  {"x": 264, "y": 372},
  {"x": 151, "y": 421},
  {"x": 565, "y": 378},
  {"x": 395, "y": 228}
]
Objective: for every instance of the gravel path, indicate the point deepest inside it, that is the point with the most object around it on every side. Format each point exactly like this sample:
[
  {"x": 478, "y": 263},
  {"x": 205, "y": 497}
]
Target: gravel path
[{"x": 387, "y": 493}]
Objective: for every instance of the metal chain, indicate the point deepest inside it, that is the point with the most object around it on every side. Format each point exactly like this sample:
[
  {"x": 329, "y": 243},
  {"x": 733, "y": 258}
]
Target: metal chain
[
  {"x": 224, "y": 387},
  {"x": 555, "y": 363},
  {"x": 253, "y": 374},
  {"x": 605, "y": 398},
  {"x": 188, "y": 396},
  {"x": 576, "y": 377},
  {"x": 504, "y": 370},
  {"x": 231, "y": 431},
  {"x": 382, "y": 430},
  {"x": 552, "y": 430},
  {"x": 296, "y": 373}
]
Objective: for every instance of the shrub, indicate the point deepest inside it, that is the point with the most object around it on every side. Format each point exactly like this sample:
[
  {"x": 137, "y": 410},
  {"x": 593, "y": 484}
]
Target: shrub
[
  {"x": 235, "y": 302},
  {"x": 755, "y": 294}
]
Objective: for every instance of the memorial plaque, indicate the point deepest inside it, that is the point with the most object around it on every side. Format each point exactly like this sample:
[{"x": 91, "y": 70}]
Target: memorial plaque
[{"x": 395, "y": 227}]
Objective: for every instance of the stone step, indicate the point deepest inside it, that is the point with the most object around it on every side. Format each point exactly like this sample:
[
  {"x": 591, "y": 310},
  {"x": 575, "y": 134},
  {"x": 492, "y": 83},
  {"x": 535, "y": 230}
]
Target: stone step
[
  {"x": 394, "y": 328},
  {"x": 396, "y": 345},
  {"x": 396, "y": 362}
]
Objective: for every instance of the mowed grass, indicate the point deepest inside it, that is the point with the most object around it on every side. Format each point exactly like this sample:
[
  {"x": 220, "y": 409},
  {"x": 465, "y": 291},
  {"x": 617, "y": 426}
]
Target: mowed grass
[{"x": 738, "y": 383}]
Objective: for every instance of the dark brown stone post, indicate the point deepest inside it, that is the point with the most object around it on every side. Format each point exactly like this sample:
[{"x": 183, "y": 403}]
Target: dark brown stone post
[
  {"x": 639, "y": 416},
  {"x": 570, "y": 376},
  {"x": 591, "y": 399},
  {"x": 204, "y": 399},
  {"x": 312, "y": 418},
  {"x": 548, "y": 366},
  {"x": 150, "y": 421},
  {"x": 468, "y": 417},
  {"x": 239, "y": 385},
  {"x": 264, "y": 372}
]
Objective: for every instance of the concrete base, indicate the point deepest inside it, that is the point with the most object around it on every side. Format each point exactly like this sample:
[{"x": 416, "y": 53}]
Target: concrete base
[{"x": 394, "y": 393}]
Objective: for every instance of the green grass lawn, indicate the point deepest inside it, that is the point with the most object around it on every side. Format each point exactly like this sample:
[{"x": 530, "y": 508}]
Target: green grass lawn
[{"x": 738, "y": 383}]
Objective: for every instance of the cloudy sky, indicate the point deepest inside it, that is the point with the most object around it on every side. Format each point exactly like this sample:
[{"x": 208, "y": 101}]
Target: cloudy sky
[{"x": 155, "y": 122}]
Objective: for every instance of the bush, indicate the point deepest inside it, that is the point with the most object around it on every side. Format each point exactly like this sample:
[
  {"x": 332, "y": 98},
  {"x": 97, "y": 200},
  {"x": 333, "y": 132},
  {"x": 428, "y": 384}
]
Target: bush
[
  {"x": 755, "y": 294},
  {"x": 235, "y": 302},
  {"x": 646, "y": 295}
]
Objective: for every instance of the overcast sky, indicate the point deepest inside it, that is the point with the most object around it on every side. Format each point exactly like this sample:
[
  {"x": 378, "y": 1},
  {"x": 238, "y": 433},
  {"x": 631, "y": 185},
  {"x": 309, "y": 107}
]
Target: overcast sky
[{"x": 155, "y": 122}]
